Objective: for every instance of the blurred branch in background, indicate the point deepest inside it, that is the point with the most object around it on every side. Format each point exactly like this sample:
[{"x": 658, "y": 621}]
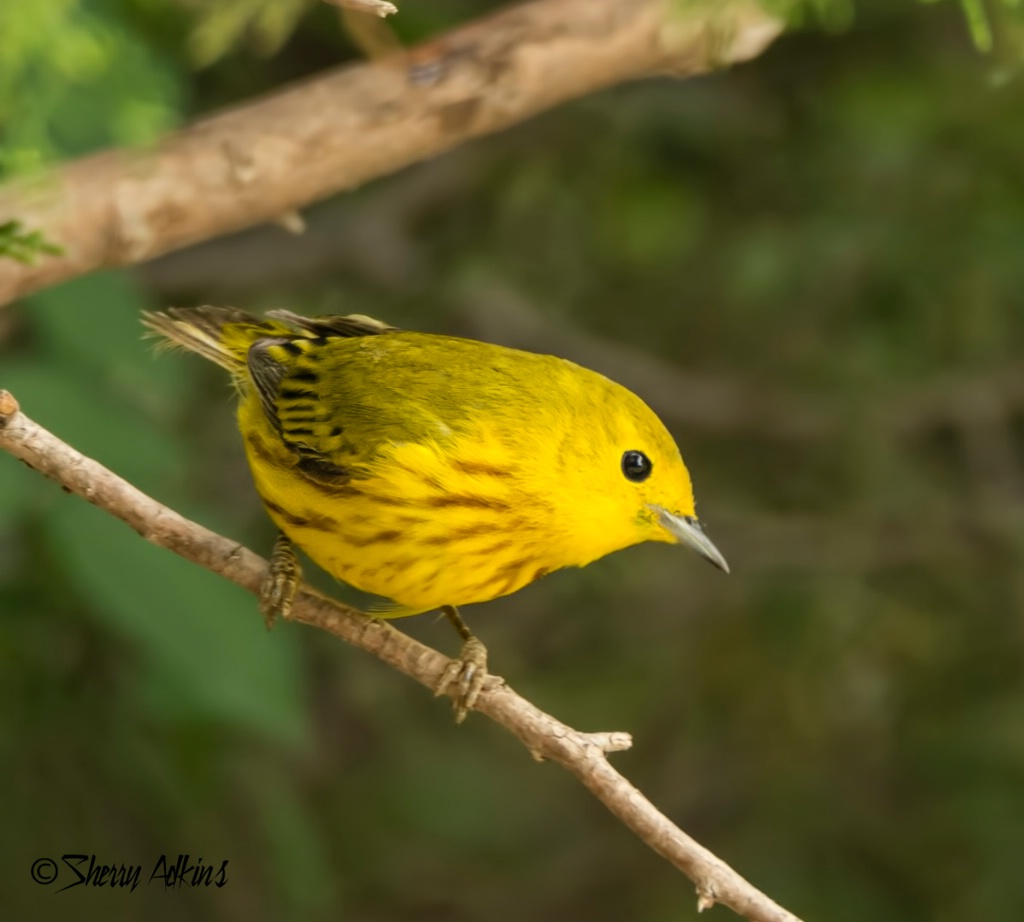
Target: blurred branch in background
[
  {"x": 583, "y": 754},
  {"x": 262, "y": 161}
]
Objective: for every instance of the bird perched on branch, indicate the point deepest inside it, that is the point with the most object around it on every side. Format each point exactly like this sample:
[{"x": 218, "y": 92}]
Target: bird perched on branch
[{"x": 436, "y": 471}]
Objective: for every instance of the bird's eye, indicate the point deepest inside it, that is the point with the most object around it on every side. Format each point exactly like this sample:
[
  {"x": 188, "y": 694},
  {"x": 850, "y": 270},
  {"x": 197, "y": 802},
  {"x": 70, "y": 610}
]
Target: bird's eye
[{"x": 636, "y": 466}]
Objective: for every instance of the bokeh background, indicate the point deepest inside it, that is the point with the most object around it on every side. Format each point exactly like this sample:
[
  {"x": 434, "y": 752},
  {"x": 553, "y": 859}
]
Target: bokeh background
[{"x": 812, "y": 266}]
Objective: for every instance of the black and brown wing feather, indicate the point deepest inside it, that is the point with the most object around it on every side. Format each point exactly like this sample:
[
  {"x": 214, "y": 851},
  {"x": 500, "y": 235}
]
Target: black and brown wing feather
[{"x": 288, "y": 374}]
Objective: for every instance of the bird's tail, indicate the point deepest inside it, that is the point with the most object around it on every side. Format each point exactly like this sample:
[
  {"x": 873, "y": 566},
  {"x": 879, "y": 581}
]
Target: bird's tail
[{"x": 220, "y": 334}]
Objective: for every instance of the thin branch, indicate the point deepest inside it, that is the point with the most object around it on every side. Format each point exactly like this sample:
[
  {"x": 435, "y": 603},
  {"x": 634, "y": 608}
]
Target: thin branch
[
  {"x": 583, "y": 754},
  {"x": 268, "y": 158}
]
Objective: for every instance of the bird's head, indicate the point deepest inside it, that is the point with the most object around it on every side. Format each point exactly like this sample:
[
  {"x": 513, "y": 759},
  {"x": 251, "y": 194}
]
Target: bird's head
[{"x": 629, "y": 483}]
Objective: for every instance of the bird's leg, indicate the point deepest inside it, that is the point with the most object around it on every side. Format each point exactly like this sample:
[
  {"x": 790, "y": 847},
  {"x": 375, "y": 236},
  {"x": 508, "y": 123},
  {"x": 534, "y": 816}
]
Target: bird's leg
[
  {"x": 468, "y": 673},
  {"x": 278, "y": 590}
]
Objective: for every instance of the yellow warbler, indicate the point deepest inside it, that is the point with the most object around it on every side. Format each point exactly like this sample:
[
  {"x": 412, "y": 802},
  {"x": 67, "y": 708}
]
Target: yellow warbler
[{"x": 437, "y": 471}]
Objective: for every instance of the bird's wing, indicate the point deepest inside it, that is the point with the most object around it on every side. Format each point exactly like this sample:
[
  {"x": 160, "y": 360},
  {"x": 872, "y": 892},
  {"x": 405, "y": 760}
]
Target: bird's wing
[{"x": 338, "y": 400}]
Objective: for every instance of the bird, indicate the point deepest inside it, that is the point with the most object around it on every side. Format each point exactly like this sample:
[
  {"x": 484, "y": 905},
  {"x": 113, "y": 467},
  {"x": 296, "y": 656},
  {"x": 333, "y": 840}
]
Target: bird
[{"x": 435, "y": 471}]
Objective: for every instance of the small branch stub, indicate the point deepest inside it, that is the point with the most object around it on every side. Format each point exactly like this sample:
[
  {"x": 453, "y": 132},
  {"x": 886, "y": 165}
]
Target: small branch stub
[
  {"x": 610, "y": 742},
  {"x": 374, "y": 7},
  {"x": 293, "y": 222},
  {"x": 705, "y": 897},
  {"x": 8, "y": 408}
]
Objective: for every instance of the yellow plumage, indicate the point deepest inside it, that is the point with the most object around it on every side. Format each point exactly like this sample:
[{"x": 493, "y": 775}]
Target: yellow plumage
[{"x": 433, "y": 470}]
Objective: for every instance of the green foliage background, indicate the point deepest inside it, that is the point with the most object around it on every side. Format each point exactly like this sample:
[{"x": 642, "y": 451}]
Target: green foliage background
[{"x": 810, "y": 265}]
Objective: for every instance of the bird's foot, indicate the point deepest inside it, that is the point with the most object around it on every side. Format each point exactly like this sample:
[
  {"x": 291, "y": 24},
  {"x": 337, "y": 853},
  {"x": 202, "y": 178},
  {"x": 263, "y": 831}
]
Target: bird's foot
[
  {"x": 467, "y": 675},
  {"x": 281, "y": 582}
]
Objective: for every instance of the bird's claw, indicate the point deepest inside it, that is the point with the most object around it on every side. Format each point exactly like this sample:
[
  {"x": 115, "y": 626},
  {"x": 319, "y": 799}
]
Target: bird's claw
[
  {"x": 281, "y": 582},
  {"x": 467, "y": 674}
]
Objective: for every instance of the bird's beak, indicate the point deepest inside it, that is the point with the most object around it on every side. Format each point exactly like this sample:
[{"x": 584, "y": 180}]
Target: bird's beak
[{"x": 687, "y": 530}]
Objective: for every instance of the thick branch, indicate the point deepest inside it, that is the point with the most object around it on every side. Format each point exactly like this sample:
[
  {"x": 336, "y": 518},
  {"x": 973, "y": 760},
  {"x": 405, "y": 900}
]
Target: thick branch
[
  {"x": 263, "y": 160},
  {"x": 583, "y": 754}
]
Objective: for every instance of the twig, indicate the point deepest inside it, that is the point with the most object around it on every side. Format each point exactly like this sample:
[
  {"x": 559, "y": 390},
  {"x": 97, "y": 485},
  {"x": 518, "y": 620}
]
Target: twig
[
  {"x": 583, "y": 754},
  {"x": 276, "y": 155}
]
